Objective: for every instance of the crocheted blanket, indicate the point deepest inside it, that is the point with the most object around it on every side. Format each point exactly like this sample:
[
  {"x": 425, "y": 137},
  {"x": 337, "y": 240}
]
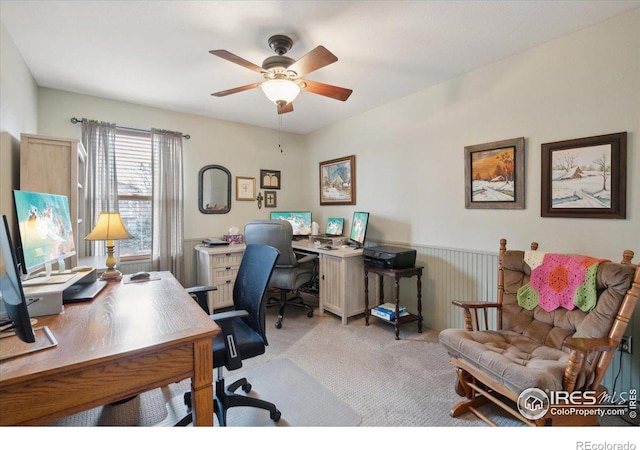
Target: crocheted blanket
[{"x": 558, "y": 281}]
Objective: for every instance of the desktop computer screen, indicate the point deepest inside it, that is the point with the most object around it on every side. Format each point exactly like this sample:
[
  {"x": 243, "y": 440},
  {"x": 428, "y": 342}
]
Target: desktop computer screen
[
  {"x": 300, "y": 221},
  {"x": 359, "y": 228}
]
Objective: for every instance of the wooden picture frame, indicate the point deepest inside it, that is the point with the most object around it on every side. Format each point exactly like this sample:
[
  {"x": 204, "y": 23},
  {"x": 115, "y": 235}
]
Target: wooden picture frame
[
  {"x": 245, "y": 189},
  {"x": 270, "y": 179},
  {"x": 494, "y": 175},
  {"x": 585, "y": 178},
  {"x": 338, "y": 181},
  {"x": 270, "y": 199}
]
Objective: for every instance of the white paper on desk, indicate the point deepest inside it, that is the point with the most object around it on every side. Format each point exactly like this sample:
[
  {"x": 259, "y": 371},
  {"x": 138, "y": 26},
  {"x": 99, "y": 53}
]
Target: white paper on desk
[{"x": 126, "y": 279}]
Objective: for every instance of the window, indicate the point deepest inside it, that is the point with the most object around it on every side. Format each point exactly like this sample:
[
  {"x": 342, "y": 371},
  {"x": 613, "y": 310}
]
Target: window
[{"x": 135, "y": 191}]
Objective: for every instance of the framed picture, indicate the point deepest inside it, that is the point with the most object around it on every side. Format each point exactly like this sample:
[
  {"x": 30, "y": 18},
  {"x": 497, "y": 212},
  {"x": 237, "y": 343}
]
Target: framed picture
[
  {"x": 494, "y": 175},
  {"x": 269, "y": 179},
  {"x": 245, "y": 188},
  {"x": 585, "y": 177},
  {"x": 270, "y": 199},
  {"x": 338, "y": 181}
]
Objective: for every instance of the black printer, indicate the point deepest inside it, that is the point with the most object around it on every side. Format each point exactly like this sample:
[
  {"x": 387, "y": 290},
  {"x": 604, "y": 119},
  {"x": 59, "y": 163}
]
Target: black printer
[{"x": 389, "y": 257}]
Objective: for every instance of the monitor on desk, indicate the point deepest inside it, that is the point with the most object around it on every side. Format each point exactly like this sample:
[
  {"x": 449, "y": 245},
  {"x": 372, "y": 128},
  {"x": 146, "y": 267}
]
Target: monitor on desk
[
  {"x": 300, "y": 221},
  {"x": 11, "y": 289},
  {"x": 45, "y": 233},
  {"x": 358, "y": 232}
]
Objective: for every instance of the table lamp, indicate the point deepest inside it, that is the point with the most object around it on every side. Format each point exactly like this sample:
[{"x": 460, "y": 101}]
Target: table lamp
[{"x": 109, "y": 228}]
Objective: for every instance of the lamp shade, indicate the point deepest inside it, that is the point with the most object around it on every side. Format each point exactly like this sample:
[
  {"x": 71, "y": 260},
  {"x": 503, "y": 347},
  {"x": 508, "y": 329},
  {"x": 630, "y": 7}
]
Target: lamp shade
[
  {"x": 109, "y": 228},
  {"x": 280, "y": 91}
]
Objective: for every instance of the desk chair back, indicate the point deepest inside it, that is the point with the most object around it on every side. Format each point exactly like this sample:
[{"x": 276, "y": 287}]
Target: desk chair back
[
  {"x": 275, "y": 233},
  {"x": 251, "y": 285}
]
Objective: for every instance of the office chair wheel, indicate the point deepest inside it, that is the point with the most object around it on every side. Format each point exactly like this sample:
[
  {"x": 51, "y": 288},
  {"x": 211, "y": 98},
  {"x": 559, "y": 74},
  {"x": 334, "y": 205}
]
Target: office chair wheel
[
  {"x": 247, "y": 388},
  {"x": 278, "y": 324},
  {"x": 275, "y": 415},
  {"x": 310, "y": 314}
]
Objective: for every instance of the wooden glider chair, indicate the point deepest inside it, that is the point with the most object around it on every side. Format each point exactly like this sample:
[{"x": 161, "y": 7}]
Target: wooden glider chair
[{"x": 540, "y": 345}]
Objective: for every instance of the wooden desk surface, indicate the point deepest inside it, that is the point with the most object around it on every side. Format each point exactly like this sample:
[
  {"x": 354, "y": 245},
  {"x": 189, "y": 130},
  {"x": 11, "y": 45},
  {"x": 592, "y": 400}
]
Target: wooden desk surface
[
  {"x": 338, "y": 251},
  {"x": 131, "y": 338}
]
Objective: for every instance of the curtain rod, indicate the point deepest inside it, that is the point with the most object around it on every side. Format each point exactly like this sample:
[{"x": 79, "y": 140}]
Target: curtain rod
[{"x": 74, "y": 120}]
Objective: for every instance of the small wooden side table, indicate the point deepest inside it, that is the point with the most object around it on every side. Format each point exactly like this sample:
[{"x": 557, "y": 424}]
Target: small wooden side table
[{"x": 397, "y": 274}]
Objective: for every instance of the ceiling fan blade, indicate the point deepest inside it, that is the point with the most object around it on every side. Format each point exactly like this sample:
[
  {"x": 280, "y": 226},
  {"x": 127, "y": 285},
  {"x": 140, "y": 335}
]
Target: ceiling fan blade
[
  {"x": 314, "y": 60},
  {"x": 236, "y": 90},
  {"x": 237, "y": 60},
  {"x": 327, "y": 90},
  {"x": 286, "y": 108}
]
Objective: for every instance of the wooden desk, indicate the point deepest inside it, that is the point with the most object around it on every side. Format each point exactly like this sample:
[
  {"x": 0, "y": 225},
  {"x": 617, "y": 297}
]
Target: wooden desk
[
  {"x": 130, "y": 339},
  {"x": 341, "y": 284}
]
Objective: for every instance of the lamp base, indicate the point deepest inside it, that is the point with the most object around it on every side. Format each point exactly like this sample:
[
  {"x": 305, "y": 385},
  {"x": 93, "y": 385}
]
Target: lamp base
[{"x": 111, "y": 275}]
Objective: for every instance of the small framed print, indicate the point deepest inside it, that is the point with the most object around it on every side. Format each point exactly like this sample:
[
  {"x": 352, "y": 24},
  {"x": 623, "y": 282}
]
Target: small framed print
[
  {"x": 245, "y": 189},
  {"x": 269, "y": 179},
  {"x": 270, "y": 199}
]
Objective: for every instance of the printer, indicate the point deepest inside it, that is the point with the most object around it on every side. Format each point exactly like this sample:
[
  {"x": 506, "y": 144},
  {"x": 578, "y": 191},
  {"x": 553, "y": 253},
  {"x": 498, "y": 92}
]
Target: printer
[{"x": 389, "y": 257}]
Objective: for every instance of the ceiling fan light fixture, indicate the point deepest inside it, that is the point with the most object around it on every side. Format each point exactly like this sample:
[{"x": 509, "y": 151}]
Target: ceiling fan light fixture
[{"x": 280, "y": 91}]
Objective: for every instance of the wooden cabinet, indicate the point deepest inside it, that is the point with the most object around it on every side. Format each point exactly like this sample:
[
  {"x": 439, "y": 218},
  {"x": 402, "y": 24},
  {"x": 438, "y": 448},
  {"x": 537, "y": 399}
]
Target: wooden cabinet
[
  {"x": 218, "y": 266},
  {"x": 57, "y": 166},
  {"x": 341, "y": 281}
]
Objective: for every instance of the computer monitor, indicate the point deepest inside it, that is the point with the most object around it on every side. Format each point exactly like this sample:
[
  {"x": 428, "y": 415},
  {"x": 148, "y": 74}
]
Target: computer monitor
[
  {"x": 335, "y": 226},
  {"x": 45, "y": 231},
  {"x": 359, "y": 228},
  {"x": 11, "y": 287},
  {"x": 300, "y": 221}
]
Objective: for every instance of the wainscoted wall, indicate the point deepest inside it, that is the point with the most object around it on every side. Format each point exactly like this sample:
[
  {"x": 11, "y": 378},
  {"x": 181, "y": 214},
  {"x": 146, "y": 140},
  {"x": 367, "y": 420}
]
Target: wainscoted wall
[
  {"x": 190, "y": 259},
  {"x": 451, "y": 274},
  {"x": 455, "y": 274}
]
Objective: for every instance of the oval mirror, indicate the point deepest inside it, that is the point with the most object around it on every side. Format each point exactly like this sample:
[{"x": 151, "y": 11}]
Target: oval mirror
[{"x": 214, "y": 190}]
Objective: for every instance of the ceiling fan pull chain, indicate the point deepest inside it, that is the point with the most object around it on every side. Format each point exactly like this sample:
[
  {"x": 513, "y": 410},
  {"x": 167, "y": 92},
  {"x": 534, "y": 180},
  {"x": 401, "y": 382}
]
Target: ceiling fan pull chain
[{"x": 280, "y": 133}]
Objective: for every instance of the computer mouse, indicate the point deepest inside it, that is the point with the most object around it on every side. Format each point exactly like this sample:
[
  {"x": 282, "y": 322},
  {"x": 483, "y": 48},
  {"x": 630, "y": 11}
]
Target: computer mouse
[
  {"x": 140, "y": 276},
  {"x": 344, "y": 246}
]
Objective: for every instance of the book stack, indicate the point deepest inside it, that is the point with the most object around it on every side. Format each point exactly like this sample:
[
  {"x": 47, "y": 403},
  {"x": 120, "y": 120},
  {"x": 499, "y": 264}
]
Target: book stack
[{"x": 387, "y": 311}]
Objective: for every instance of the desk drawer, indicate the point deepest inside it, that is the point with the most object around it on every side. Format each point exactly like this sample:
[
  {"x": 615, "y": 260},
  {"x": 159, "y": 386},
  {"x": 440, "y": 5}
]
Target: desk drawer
[
  {"x": 224, "y": 273},
  {"x": 223, "y": 296},
  {"x": 226, "y": 259}
]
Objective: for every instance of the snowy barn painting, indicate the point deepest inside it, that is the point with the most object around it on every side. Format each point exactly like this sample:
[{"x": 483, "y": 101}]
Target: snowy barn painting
[
  {"x": 493, "y": 175},
  {"x": 581, "y": 177},
  {"x": 585, "y": 177}
]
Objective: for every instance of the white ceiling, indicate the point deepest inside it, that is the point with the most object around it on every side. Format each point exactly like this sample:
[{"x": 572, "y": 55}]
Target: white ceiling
[{"x": 156, "y": 53}]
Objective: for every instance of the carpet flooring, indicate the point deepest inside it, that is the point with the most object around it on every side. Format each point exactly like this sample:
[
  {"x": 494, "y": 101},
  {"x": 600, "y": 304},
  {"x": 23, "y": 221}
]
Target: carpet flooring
[{"x": 321, "y": 373}]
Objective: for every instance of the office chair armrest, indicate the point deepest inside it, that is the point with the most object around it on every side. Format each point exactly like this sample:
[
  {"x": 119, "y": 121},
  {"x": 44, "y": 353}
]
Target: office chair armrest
[
  {"x": 225, "y": 322},
  {"x": 199, "y": 294},
  {"x": 307, "y": 258},
  {"x": 229, "y": 315}
]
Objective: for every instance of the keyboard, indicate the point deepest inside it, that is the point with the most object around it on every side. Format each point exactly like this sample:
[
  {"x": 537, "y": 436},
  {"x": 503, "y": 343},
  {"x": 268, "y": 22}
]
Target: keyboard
[{"x": 82, "y": 292}]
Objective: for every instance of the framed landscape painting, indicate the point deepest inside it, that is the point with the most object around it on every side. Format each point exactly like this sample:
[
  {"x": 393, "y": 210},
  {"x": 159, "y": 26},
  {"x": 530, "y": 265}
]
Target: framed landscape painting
[
  {"x": 585, "y": 177},
  {"x": 494, "y": 175},
  {"x": 338, "y": 181}
]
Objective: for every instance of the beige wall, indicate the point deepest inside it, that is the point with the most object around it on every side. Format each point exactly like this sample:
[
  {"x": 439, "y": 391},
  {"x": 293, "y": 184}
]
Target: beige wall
[
  {"x": 18, "y": 114},
  {"x": 242, "y": 149},
  {"x": 410, "y": 153}
]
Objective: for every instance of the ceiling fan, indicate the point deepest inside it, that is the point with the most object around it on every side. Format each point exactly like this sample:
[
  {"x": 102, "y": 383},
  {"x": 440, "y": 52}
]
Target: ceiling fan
[{"x": 282, "y": 75}]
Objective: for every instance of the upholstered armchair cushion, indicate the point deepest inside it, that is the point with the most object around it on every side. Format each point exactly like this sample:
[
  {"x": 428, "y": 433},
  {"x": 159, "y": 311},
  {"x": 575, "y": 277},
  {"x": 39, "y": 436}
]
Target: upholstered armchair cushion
[{"x": 528, "y": 351}]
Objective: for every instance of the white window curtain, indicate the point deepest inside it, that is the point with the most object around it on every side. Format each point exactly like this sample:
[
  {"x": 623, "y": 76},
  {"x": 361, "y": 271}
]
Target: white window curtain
[
  {"x": 101, "y": 191},
  {"x": 168, "y": 205}
]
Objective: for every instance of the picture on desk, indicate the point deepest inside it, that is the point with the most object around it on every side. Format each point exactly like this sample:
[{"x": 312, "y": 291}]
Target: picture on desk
[{"x": 334, "y": 226}]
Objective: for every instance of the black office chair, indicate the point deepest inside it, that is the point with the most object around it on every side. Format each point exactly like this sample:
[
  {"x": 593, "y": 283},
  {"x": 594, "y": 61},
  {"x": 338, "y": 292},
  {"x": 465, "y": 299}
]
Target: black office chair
[
  {"x": 243, "y": 331},
  {"x": 291, "y": 272}
]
